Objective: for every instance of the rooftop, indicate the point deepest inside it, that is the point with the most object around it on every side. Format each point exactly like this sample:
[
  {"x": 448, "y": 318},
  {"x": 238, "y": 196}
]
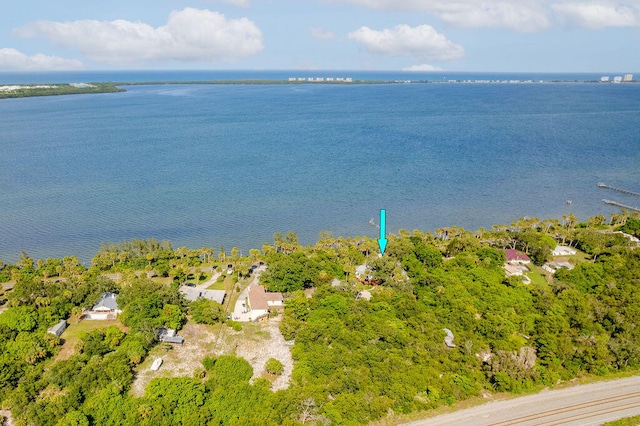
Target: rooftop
[
  {"x": 192, "y": 293},
  {"x": 516, "y": 255},
  {"x": 106, "y": 302},
  {"x": 259, "y": 298}
]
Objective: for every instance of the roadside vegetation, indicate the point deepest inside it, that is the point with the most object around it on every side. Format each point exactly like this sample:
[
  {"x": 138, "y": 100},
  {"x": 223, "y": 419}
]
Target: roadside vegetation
[{"x": 357, "y": 359}]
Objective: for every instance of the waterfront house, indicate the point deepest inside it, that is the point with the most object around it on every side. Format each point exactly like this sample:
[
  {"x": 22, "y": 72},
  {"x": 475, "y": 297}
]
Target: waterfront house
[
  {"x": 105, "y": 309},
  {"x": 516, "y": 257},
  {"x": 262, "y": 302}
]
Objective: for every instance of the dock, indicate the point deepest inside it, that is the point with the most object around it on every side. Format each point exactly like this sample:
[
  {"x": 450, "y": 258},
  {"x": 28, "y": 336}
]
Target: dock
[
  {"x": 614, "y": 188},
  {"x": 624, "y": 206}
]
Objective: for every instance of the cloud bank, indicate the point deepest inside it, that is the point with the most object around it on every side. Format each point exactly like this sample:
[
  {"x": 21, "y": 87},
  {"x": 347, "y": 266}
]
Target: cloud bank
[
  {"x": 14, "y": 60},
  {"x": 421, "y": 42},
  {"x": 597, "y": 15},
  {"x": 521, "y": 15},
  {"x": 190, "y": 35},
  {"x": 422, "y": 68},
  {"x": 320, "y": 34}
]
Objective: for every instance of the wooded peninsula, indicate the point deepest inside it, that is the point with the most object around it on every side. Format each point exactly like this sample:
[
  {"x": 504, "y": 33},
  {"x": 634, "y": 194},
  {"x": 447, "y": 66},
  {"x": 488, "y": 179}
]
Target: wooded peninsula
[
  {"x": 442, "y": 317},
  {"x": 30, "y": 90}
]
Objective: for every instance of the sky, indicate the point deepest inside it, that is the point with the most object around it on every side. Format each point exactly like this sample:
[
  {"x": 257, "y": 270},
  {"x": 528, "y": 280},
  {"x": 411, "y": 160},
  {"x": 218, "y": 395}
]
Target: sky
[{"x": 419, "y": 35}]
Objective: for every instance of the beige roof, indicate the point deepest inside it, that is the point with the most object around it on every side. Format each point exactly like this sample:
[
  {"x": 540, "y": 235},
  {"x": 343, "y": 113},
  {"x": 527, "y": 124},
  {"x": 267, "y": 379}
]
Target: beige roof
[{"x": 258, "y": 297}]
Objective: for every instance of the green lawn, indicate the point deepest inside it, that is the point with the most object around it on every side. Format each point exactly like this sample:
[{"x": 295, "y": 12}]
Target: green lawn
[
  {"x": 536, "y": 276},
  {"x": 71, "y": 335}
]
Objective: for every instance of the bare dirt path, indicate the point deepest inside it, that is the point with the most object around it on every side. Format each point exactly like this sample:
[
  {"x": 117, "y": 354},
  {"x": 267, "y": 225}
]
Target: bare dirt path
[{"x": 581, "y": 405}]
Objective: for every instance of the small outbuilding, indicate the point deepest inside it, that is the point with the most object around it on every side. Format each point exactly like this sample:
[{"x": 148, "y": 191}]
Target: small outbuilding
[
  {"x": 168, "y": 335},
  {"x": 58, "y": 329}
]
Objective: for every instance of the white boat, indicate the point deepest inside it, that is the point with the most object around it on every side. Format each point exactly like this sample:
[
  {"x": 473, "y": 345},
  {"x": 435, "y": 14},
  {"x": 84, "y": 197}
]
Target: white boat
[{"x": 156, "y": 364}]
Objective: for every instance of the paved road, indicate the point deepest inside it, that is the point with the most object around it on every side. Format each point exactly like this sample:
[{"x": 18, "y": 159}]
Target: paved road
[{"x": 581, "y": 405}]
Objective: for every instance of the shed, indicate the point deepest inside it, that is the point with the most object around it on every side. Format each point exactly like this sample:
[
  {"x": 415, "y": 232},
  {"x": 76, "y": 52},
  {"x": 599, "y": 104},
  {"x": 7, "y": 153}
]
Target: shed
[
  {"x": 59, "y": 328},
  {"x": 168, "y": 335}
]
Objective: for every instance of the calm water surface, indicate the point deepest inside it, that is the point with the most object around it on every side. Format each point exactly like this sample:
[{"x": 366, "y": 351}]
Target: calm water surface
[{"x": 211, "y": 165}]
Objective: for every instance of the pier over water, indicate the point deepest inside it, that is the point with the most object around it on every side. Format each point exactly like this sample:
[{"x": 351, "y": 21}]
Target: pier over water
[
  {"x": 626, "y": 191},
  {"x": 624, "y": 206}
]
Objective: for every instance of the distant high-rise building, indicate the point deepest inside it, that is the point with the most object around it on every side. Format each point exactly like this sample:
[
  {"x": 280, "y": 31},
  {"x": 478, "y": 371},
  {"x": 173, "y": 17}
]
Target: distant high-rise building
[
  {"x": 604, "y": 78},
  {"x": 617, "y": 79},
  {"x": 628, "y": 77}
]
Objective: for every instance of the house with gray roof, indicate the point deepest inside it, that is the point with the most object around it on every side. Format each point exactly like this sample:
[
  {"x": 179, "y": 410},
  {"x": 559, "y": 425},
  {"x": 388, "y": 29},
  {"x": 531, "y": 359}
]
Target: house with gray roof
[
  {"x": 105, "y": 309},
  {"x": 193, "y": 293}
]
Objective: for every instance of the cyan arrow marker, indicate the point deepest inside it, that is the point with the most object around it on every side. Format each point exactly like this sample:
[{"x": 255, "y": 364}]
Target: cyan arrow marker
[{"x": 382, "y": 241}]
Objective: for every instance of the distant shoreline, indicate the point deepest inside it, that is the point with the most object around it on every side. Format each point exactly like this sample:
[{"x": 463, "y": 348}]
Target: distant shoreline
[
  {"x": 58, "y": 89},
  {"x": 55, "y": 89}
]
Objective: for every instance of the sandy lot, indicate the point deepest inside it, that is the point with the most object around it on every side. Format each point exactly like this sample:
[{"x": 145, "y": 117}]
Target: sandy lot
[{"x": 255, "y": 342}]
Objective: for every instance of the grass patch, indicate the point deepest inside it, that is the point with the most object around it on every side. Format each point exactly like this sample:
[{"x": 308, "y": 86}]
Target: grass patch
[
  {"x": 218, "y": 285},
  {"x": 628, "y": 421},
  {"x": 537, "y": 278},
  {"x": 71, "y": 335}
]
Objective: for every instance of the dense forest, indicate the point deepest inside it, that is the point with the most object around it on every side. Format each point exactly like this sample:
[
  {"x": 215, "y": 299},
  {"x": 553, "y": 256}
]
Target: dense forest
[{"x": 357, "y": 359}]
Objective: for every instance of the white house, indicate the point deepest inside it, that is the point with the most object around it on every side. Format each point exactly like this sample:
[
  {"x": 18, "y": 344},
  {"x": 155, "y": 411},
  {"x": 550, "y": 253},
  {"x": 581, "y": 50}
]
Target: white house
[
  {"x": 261, "y": 302},
  {"x": 552, "y": 267},
  {"x": 106, "y": 308},
  {"x": 515, "y": 270},
  {"x": 563, "y": 251}
]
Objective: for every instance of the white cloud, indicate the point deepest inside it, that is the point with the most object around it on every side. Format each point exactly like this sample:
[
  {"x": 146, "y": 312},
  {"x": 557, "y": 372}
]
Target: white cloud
[
  {"x": 189, "y": 35},
  {"x": 320, "y": 34},
  {"x": 521, "y": 15},
  {"x": 597, "y": 15},
  {"x": 423, "y": 67},
  {"x": 14, "y": 60},
  {"x": 421, "y": 42},
  {"x": 241, "y": 3}
]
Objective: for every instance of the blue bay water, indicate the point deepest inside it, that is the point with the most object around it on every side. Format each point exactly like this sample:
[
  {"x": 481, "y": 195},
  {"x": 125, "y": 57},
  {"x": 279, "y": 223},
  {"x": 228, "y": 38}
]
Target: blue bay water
[{"x": 211, "y": 165}]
